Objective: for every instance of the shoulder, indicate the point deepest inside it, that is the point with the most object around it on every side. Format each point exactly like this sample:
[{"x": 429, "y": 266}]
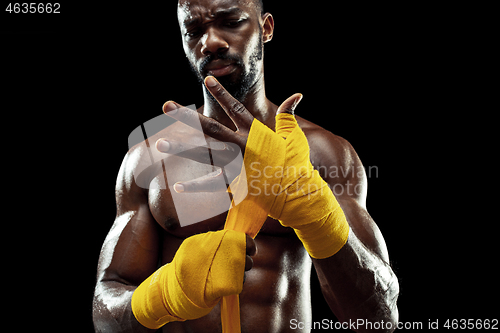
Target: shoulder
[
  {"x": 325, "y": 145},
  {"x": 328, "y": 149},
  {"x": 336, "y": 160},
  {"x": 128, "y": 193}
]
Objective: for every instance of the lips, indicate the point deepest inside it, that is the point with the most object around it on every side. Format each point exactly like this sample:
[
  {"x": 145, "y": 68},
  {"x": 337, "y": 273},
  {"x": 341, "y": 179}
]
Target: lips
[
  {"x": 218, "y": 69},
  {"x": 225, "y": 70}
]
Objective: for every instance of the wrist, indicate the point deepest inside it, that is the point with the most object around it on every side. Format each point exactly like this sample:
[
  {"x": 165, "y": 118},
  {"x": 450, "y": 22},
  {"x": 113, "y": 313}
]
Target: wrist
[
  {"x": 325, "y": 237},
  {"x": 148, "y": 304}
]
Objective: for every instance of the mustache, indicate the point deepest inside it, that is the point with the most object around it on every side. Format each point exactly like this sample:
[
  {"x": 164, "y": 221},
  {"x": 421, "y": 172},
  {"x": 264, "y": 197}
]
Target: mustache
[{"x": 235, "y": 59}]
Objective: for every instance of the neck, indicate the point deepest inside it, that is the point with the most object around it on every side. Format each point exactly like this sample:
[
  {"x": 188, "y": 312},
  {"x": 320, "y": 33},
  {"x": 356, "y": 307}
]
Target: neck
[{"x": 255, "y": 102}]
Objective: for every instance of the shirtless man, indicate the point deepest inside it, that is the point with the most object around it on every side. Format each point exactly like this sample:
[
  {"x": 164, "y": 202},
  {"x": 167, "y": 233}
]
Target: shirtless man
[{"x": 224, "y": 39}]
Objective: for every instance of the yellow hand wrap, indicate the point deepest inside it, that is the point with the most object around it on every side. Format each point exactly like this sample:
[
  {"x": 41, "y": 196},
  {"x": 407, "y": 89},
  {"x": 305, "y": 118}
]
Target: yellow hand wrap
[
  {"x": 205, "y": 268},
  {"x": 280, "y": 182},
  {"x": 283, "y": 184}
]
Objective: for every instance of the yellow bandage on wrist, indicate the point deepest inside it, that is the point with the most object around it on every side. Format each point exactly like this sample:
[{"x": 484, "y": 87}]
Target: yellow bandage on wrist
[
  {"x": 283, "y": 184},
  {"x": 306, "y": 203},
  {"x": 205, "y": 268}
]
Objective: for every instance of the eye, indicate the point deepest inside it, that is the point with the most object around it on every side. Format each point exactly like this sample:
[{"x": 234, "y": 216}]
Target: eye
[
  {"x": 234, "y": 23},
  {"x": 193, "y": 33}
]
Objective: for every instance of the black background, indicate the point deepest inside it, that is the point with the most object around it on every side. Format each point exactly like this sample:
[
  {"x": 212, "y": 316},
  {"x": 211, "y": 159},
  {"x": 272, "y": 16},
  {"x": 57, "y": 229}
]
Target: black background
[{"x": 388, "y": 79}]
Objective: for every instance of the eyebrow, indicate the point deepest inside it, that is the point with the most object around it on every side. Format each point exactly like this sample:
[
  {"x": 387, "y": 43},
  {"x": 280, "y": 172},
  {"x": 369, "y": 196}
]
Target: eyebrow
[{"x": 218, "y": 14}]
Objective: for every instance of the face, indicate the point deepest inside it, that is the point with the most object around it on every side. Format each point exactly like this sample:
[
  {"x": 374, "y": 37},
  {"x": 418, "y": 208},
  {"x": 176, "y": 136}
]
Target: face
[{"x": 224, "y": 38}]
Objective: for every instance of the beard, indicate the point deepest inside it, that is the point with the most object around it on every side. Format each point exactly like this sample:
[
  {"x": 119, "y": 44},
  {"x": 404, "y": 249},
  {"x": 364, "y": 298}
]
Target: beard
[{"x": 238, "y": 85}]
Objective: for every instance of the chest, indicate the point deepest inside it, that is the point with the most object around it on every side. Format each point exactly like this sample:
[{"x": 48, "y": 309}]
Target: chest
[{"x": 186, "y": 214}]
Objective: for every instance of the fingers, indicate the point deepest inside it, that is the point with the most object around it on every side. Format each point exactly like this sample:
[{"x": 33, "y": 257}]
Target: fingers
[
  {"x": 201, "y": 123},
  {"x": 212, "y": 182},
  {"x": 251, "y": 247},
  {"x": 290, "y": 104},
  {"x": 240, "y": 116},
  {"x": 248, "y": 263},
  {"x": 219, "y": 154},
  {"x": 251, "y": 250},
  {"x": 196, "y": 153}
]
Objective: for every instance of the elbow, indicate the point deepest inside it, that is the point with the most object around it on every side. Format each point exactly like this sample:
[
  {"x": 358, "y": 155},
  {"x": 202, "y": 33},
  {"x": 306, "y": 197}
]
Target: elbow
[
  {"x": 390, "y": 321},
  {"x": 394, "y": 319},
  {"x": 386, "y": 322},
  {"x": 385, "y": 317},
  {"x": 393, "y": 313},
  {"x": 380, "y": 314},
  {"x": 386, "y": 310},
  {"x": 107, "y": 311}
]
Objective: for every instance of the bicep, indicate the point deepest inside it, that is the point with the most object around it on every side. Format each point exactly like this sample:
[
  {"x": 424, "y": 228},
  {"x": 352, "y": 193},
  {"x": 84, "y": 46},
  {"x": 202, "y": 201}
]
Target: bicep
[
  {"x": 130, "y": 251},
  {"x": 128, "y": 256}
]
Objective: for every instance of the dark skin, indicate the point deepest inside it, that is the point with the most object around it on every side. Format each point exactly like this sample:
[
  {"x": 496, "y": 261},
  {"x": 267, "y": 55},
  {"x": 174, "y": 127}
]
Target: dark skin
[{"x": 357, "y": 282}]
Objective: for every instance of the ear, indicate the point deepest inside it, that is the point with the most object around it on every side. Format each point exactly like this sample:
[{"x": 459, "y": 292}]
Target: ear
[{"x": 267, "y": 27}]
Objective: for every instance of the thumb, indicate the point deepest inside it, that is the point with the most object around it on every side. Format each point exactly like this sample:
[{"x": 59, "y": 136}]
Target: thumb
[{"x": 289, "y": 105}]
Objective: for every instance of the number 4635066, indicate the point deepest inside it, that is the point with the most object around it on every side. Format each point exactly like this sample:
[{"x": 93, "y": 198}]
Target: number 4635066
[{"x": 34, "y": 8}]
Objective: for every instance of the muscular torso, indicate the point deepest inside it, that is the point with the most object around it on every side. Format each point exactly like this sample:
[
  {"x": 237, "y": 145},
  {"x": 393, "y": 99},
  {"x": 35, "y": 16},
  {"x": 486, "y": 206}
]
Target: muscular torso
[{"x": 276, "y": 289}]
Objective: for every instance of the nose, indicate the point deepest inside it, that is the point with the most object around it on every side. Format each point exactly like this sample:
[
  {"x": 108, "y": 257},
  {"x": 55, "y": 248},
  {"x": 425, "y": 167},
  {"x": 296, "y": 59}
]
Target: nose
[{"x": 213, "y": 42}]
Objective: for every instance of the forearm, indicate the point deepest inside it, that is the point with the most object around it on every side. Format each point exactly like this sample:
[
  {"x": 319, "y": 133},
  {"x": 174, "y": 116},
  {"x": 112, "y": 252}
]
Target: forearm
[
  {"x": 112, "y": 311},
  {"x": 357, "y": 284}
]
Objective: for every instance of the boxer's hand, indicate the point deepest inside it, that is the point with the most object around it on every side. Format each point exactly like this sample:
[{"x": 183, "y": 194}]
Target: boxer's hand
[
  {"x": 205, "y": 268},
  {"x": 229, "y": 142},
  {"x": 251, "y": 250}
]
